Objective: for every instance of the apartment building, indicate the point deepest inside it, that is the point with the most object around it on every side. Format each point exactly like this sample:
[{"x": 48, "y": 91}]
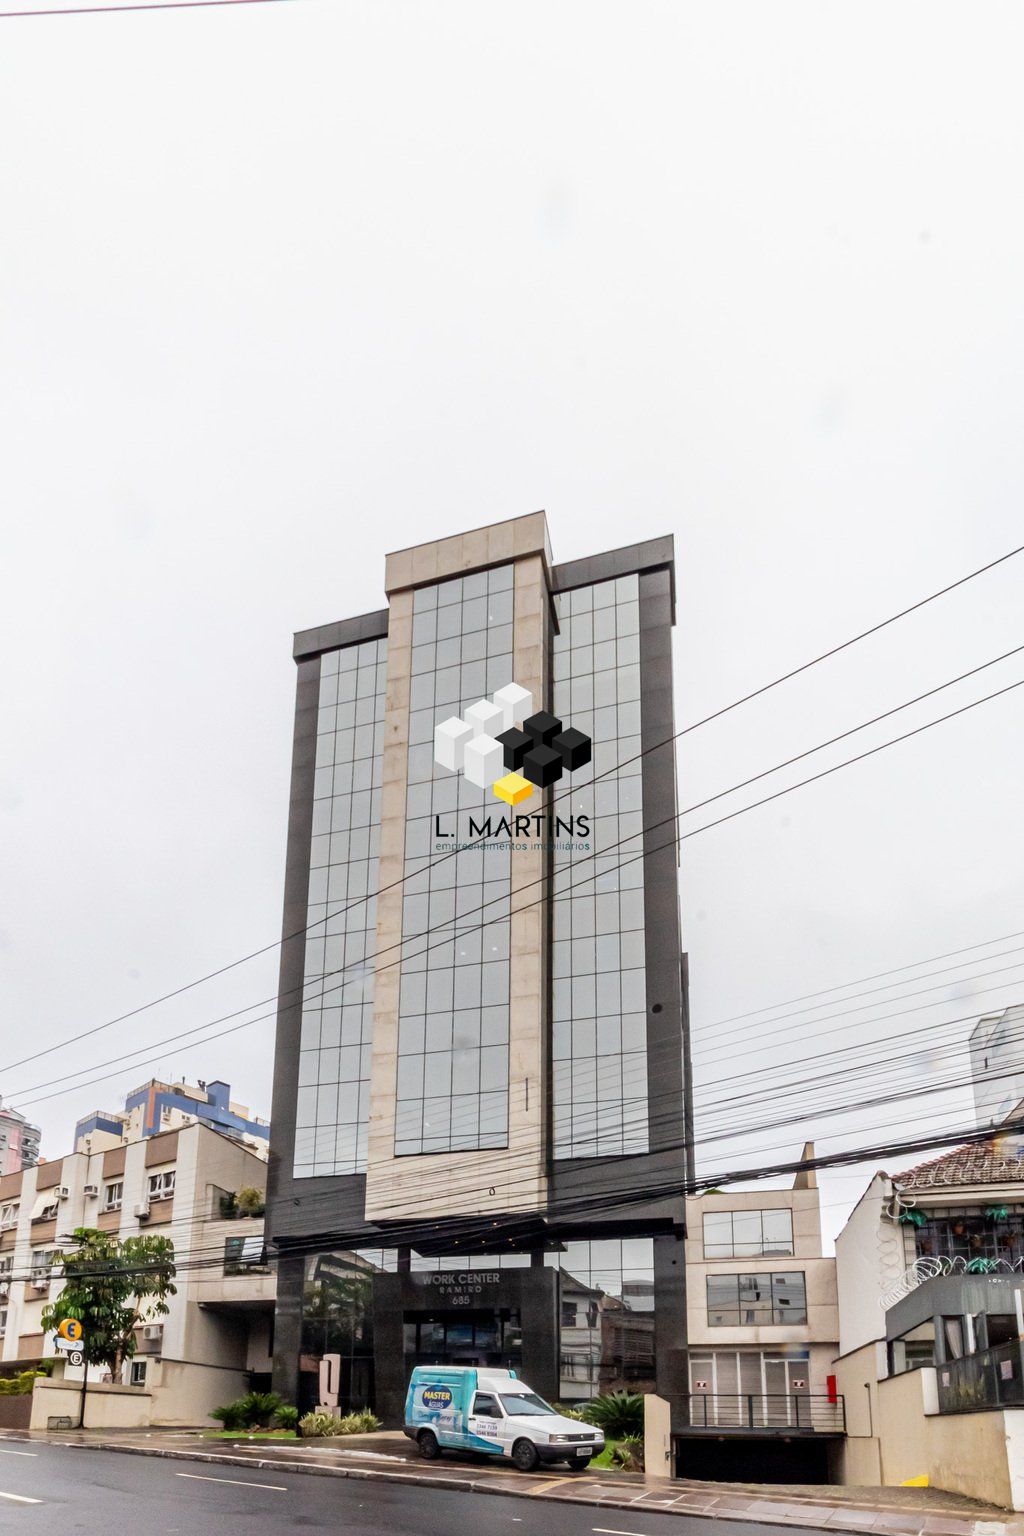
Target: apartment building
[
  {"x": 159, "y": 1106},
  {"x": 216, "y": 1339},
  {"x": 762, "y": 1321},
  {"x": 19, "y": 1141},
  {"x": 997, "y": 1065}
]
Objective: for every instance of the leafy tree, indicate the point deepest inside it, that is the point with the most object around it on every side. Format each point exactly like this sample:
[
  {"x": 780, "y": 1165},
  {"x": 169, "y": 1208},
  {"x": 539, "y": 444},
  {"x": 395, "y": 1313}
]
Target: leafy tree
[{"x": 112, "y": 1285}]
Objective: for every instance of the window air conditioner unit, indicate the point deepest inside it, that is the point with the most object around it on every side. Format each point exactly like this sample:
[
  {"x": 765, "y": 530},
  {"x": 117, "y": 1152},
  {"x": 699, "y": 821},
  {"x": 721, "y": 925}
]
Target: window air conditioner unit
[
  {"x": 40, "y": 1284},
  {"x": 141, "y": 1210},
  {"x": 91, "y": 1191},
  {"x": 63, "y": 1192},
  {"x": 153, "y": 1331}
]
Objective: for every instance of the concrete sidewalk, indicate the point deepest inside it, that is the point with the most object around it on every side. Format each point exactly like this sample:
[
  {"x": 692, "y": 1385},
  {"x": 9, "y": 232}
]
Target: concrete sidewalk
[{"x": 391, "y": 1458}]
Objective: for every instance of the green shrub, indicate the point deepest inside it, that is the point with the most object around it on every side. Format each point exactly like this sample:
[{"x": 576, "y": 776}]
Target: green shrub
[
  {"x": 629, "y": 1453},
  {"x": 313, "y": 1426},
  {"x": 360, "y": 1422},
  {"x": 619, "y": 1414},
  {"x": 259, "y": 1408},
  {"x": 256, "y": 1410},
  {"x": 570, "y": 1410},
  {"x": 286, "y": 1417},
  {"x": 250, "y": 1201},
  {"x": 20, "y": 1385}
]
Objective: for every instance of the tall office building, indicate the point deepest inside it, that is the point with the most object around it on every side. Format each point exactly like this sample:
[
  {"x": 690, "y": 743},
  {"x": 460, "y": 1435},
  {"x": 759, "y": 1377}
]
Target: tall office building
[
  {"x": 479, "y": 1124},
  {"x": 19, "y": 1141}
]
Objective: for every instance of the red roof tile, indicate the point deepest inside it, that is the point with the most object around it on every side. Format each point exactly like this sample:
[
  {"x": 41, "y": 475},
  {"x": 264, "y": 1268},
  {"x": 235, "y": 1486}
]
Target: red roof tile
[{"x": 983, "y": 1162}]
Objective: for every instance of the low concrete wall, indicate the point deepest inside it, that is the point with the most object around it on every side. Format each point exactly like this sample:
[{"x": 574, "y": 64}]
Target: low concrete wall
[
  {"x": 895, "y": 1432},
  {"x": 186, "y": 1394},
  {"x": 657, "y": 1436},
  {"x": 107, "y": 1406},
  {"x": 968, "y": 1454},
  {"x": 15, "y": 1410}
]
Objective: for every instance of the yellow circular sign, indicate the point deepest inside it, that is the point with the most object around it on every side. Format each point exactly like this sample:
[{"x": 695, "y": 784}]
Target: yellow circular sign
[{"x": 70, "y": 1329}]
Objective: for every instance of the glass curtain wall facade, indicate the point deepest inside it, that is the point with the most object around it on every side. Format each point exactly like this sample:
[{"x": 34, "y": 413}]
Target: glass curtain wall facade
[
  {"x": 452, "y": 1081},
  {"x": 332, "y": 1103},
  {"x": 599, "y": 1025}
]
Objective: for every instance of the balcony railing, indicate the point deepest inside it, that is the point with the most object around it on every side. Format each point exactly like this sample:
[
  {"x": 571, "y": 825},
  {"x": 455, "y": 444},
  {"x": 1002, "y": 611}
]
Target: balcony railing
[
  {"x": 992, "y": 1379},
  {"x": 776, "y": 1412}
]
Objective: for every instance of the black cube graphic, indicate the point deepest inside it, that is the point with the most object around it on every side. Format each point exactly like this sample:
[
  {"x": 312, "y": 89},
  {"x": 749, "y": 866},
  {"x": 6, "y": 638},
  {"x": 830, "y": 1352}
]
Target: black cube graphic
[
  {"x": 542, "y": 727},
  {"x": 575, "y": 748},
  {"x": 542, "y": 766},
  {"x": 514, "y": 743}
]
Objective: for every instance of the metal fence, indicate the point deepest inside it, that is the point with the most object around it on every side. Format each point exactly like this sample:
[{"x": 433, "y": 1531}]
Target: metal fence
[
  {"x": 796, "y": 1412},
  {"x": 992, "y": 1379}
]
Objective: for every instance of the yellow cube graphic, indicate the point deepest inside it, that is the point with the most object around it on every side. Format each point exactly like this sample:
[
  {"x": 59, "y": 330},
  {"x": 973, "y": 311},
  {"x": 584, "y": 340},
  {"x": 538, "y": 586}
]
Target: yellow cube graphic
[{"x": 513, "y": 788}]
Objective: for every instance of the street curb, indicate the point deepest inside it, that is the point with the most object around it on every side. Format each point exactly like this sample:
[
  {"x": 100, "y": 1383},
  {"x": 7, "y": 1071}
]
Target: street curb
[{"x": 986, "y": 1527}]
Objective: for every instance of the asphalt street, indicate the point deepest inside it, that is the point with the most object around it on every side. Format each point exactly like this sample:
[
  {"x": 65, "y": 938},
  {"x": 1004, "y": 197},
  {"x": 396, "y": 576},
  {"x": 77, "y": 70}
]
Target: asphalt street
[{"x": 59, "y": 1490}]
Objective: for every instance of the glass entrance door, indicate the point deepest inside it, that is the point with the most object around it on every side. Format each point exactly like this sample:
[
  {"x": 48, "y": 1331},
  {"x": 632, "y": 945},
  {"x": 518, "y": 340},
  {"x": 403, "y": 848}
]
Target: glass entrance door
[{"x": 464, "y": 1337}]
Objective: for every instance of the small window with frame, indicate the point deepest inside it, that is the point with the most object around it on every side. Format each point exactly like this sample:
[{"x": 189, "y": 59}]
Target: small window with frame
[{"x": 161, "y": 1185}]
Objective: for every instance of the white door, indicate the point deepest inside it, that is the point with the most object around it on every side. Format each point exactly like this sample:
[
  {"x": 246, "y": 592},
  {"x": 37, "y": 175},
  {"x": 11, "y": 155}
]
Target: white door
[{"x": 486, "y": 1420}]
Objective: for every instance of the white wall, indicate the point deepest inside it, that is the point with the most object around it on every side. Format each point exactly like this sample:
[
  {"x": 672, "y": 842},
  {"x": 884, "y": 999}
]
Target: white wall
[{"x": 871, "y": 1252}]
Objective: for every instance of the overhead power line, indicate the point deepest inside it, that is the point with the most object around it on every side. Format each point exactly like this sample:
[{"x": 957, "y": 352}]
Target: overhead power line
[
  {"x": 696, "y": 725},
  {"x": 473, "y": 1228},
  {"x": 459, "y": 921},
  {"x": 857, "y": 981},
  {"x": 142, "y": 5},
  {"x": 574, "y": 886}
]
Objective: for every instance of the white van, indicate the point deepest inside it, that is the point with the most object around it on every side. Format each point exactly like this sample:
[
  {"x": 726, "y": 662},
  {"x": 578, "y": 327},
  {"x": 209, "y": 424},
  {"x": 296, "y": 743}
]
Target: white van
[{"x": 460, "y": 1408}]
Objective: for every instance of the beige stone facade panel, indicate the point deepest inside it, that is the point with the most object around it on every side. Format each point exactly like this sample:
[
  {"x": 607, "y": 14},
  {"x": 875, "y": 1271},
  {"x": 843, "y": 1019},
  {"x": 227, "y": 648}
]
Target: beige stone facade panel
[
  {"x": 511, "y": 1178},
  {"x": 453, "y": 556}
]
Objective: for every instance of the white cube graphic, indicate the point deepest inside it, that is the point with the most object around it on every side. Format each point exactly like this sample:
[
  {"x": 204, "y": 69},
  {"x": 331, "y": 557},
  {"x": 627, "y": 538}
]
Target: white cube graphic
[
  {"x": 483, "y": 761},
  {"x": 450, "y": 740},
  {"x": 485, "y": 718},
  {"x": 515, "y": 703}
]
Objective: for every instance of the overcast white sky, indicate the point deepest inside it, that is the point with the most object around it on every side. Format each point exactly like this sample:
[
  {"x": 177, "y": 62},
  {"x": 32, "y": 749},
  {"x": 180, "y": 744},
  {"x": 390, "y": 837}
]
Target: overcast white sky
[{"x": 287, "y": 286}]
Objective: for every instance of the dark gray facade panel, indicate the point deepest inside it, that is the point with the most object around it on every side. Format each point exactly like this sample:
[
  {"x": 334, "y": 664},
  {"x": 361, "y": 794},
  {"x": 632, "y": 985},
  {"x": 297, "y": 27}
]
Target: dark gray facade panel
[
  {"x": 670, "y": 1337},
  {"x": 297, "y": 1208},
  {"x": 293, "y": 941},
  {"x": 662, "y": 942},
  {"x": 650, "y": 555},
  {"x": 288, "y": 1327},
  {"x": 330, "y": 637}
]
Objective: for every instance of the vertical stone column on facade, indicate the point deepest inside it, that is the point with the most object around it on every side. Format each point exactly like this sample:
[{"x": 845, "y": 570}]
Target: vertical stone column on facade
[
  {"x": 381, "y": 1129},
  {"x": 512, "y": 1177}
]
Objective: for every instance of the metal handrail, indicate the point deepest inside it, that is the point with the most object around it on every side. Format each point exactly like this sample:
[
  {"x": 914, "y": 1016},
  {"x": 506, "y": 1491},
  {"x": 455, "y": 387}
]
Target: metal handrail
[{"x": 803, "y": 1412}]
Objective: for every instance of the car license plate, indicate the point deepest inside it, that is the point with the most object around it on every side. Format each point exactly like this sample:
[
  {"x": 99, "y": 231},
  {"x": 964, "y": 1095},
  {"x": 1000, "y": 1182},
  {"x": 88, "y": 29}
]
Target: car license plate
[{"x": 583, "y": 1450}]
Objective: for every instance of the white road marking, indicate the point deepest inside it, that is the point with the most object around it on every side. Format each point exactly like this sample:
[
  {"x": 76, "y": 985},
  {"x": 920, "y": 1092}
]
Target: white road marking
[
  {"x": 610, "y": 1530},
  {"x": 18, "y": 1453},
  {"x": 19, "y": 1498},
  {"x": 197, "y": 1477}
]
